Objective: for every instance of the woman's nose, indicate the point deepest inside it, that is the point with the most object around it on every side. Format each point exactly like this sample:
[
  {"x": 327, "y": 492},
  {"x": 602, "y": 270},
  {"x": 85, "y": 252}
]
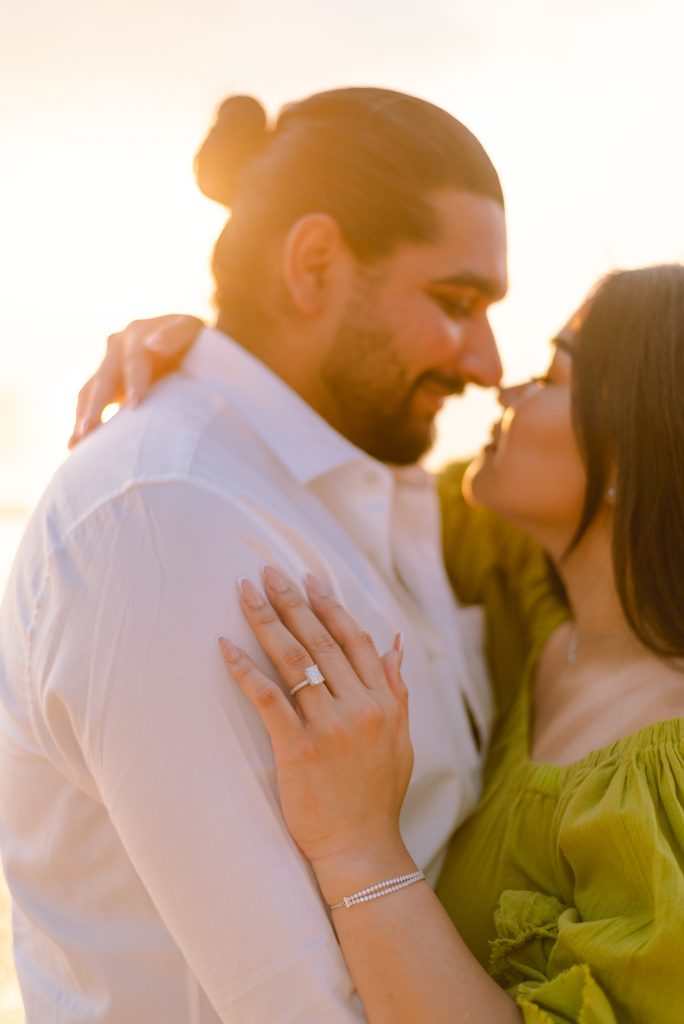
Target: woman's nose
[{"x": 509, "y": 395}]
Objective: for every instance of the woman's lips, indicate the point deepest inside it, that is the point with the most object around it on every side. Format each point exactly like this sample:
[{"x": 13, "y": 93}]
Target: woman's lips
[{"x": 495, "y": 435}]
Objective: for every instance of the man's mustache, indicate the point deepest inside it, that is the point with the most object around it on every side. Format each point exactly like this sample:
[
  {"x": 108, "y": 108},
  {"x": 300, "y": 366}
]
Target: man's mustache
[{"x": 454, "y": 385}]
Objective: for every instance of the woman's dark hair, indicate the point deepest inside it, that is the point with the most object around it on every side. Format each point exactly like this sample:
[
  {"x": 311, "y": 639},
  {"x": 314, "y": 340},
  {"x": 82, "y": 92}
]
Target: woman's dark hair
[
  {"x": 628, "y": 410},
  {"x": 368, "y": 157}
]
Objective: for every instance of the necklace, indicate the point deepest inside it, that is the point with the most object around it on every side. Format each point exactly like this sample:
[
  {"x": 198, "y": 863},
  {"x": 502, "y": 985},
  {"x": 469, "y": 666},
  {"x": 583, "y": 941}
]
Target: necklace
[{"x": 576, "y": 640}]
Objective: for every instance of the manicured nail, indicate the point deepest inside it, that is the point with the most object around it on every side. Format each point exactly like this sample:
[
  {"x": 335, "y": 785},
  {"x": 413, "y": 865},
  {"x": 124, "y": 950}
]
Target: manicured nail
[
  {"x": 273, "y": 578},
  {"x": 155, "y": 342},
  {"x": 133, "y": 398},
  {"x": 315, "y": 586},
  {"x": 229, "y": 651},
  {"x": 398, "y": 646},
  {"x": 250, "y": 594},
  {"x": 84, "y": 427}
]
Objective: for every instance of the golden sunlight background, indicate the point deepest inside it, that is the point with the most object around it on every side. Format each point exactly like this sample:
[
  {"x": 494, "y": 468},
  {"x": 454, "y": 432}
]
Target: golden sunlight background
[{"x": 578, "y": 101}]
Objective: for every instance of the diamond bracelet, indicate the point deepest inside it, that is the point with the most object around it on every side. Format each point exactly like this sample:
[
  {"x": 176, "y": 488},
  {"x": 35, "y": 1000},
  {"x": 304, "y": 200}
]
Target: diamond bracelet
[{"x": 373, "y": 892}]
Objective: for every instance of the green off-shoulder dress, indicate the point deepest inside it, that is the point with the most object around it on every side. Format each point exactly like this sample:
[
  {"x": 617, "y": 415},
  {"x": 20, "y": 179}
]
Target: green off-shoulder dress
[{"x": 567, "y": 883}]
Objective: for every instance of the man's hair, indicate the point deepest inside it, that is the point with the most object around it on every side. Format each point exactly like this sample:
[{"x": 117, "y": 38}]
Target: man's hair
[
  {"x": 628, "y": 410},
  {"x": 367, "y": 157}
]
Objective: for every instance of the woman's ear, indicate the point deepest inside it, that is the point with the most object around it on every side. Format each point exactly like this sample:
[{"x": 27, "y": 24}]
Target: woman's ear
[
  {"x": 313, "y": 256},
  {"x": 611, "y": 493}
]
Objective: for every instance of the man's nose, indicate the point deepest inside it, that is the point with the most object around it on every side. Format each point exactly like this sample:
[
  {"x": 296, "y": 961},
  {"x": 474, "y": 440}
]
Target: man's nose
[{"x": 481, "y": 360}]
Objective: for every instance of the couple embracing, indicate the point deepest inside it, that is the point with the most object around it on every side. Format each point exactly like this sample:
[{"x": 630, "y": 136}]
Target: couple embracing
[{"x": 242, "y": 830}]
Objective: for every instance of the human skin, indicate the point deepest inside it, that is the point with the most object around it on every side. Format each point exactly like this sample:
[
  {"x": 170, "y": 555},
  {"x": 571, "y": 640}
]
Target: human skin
[{"x": 343, "y": 758}]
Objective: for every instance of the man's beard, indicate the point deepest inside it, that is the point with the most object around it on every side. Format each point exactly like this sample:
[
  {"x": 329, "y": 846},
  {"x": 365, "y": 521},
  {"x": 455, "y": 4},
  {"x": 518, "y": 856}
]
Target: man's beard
[{"x": 373, "y": 392}]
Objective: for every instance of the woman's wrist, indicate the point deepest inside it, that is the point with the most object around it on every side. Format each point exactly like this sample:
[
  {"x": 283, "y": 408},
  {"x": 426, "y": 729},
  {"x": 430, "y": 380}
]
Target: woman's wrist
[{"x": 344, "y": 874}]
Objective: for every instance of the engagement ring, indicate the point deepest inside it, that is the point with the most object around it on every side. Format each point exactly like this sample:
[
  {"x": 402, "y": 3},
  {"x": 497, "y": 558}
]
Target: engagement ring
[{"x": 314, "y": 677}]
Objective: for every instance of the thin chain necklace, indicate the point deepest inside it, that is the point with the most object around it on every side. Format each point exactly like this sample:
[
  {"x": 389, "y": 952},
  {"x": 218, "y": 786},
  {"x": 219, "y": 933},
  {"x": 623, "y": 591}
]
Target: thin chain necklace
[{"x": 576, "y": 640}]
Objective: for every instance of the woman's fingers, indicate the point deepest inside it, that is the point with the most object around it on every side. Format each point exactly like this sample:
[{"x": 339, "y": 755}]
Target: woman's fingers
[
  {"x": 103, "y": 388},
  {"x": 136, "y": 368},
  {"x": 274, "y": 708},
  {"x": 136, "y": 356},
  {"x": 292, "y": 659},
  {"x": 356, "y": 642},
  {"x": 170, "y": 341},
  {"x": 149, "y": 349},
  {"x": 347, "y": 657},
  {"x": 392, "y": 665}
]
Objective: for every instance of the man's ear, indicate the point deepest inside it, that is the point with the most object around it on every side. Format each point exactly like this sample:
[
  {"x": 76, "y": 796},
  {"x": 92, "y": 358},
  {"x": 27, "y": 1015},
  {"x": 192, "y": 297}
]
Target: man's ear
[{"x": 314, "y": 256}]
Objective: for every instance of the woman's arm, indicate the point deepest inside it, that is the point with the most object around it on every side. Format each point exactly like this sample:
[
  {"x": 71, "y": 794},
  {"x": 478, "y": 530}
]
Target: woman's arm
[{"x": 344, "y": 759}]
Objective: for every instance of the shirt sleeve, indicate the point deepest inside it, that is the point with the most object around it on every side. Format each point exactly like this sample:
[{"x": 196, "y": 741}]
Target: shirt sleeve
[
  {"x": 612, "y": 953},
  {"x": 137, "y": 709}
]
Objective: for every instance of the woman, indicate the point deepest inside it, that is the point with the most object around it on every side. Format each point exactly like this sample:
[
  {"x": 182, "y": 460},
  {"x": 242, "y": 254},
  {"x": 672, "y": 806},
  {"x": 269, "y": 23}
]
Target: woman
[{"x": 566, "y": 887}]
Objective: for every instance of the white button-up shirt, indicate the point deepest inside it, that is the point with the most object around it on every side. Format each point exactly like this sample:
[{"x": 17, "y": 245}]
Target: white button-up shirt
[{"x": 153, "y": 879}]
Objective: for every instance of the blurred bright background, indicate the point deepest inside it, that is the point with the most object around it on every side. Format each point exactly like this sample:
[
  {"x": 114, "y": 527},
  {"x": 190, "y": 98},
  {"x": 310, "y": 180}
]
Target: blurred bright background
[{"x": 579, "y": 103}]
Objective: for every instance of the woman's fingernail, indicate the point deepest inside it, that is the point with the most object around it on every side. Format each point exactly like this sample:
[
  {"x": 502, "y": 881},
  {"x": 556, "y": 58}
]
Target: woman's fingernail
[
  {"x": 133, "y": 399},
  {"x": 273, "y": 578},
  {"x": 229, "y": 651},
  {"x": 315, "y": 586},
  {"x": 250, "y": 593},
  {"x": 84, "y": 427},
  {"x": 398, "y": 646},
  {"x": 155, "y": 342}
]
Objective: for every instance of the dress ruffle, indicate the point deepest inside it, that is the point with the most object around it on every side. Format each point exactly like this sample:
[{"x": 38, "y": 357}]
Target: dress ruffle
[
  {"x": 527, "y": 925},
  {"x": 526, "y": 929}
]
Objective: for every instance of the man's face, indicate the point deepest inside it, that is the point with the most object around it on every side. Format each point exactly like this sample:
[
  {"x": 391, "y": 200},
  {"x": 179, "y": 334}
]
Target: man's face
[{"x": 415, "y": 329}]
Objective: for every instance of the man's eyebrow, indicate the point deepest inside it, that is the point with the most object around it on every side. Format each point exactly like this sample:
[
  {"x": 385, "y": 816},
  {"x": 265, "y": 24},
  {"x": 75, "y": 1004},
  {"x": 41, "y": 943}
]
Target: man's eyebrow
[
  {"x": 562, "y": 343},
  {"x": 485, "y": 285}
]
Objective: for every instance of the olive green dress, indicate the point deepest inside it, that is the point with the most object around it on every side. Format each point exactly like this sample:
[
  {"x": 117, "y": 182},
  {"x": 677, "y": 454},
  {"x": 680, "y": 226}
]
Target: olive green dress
[{"x": 567, "y": 883}]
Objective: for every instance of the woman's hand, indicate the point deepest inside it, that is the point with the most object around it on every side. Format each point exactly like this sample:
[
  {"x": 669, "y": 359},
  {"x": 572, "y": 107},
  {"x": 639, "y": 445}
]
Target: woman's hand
[
  {"x": 342, "y": 748},
  {"x": 344, "y": 758},
  {"x": 135, "y": 357}
]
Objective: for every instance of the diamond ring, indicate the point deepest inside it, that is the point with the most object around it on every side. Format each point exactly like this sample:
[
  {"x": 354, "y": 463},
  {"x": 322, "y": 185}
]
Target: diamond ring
[{"x": 314, "y": 677}]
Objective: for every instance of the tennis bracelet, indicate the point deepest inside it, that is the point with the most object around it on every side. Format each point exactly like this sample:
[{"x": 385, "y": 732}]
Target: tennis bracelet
[{"x": 374, "y": 892}]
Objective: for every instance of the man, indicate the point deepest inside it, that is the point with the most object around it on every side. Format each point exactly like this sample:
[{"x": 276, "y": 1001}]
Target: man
[{"x": 152, "y": 875}]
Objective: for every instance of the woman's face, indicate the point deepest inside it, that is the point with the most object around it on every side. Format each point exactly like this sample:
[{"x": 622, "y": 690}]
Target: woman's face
[{"x": 531, "y": 472}]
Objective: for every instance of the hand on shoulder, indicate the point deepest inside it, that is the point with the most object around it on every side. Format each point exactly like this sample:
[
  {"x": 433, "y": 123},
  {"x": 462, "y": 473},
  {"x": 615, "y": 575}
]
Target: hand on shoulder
[{"x": 137, "y": 356}]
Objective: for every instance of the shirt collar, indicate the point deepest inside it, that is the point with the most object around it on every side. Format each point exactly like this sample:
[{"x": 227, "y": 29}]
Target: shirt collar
[{"x": 303, "y": 441}]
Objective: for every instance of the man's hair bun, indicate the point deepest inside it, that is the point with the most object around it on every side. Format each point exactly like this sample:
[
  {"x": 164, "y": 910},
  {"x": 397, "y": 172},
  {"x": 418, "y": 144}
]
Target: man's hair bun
[{"x": 239, "y": 132}]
